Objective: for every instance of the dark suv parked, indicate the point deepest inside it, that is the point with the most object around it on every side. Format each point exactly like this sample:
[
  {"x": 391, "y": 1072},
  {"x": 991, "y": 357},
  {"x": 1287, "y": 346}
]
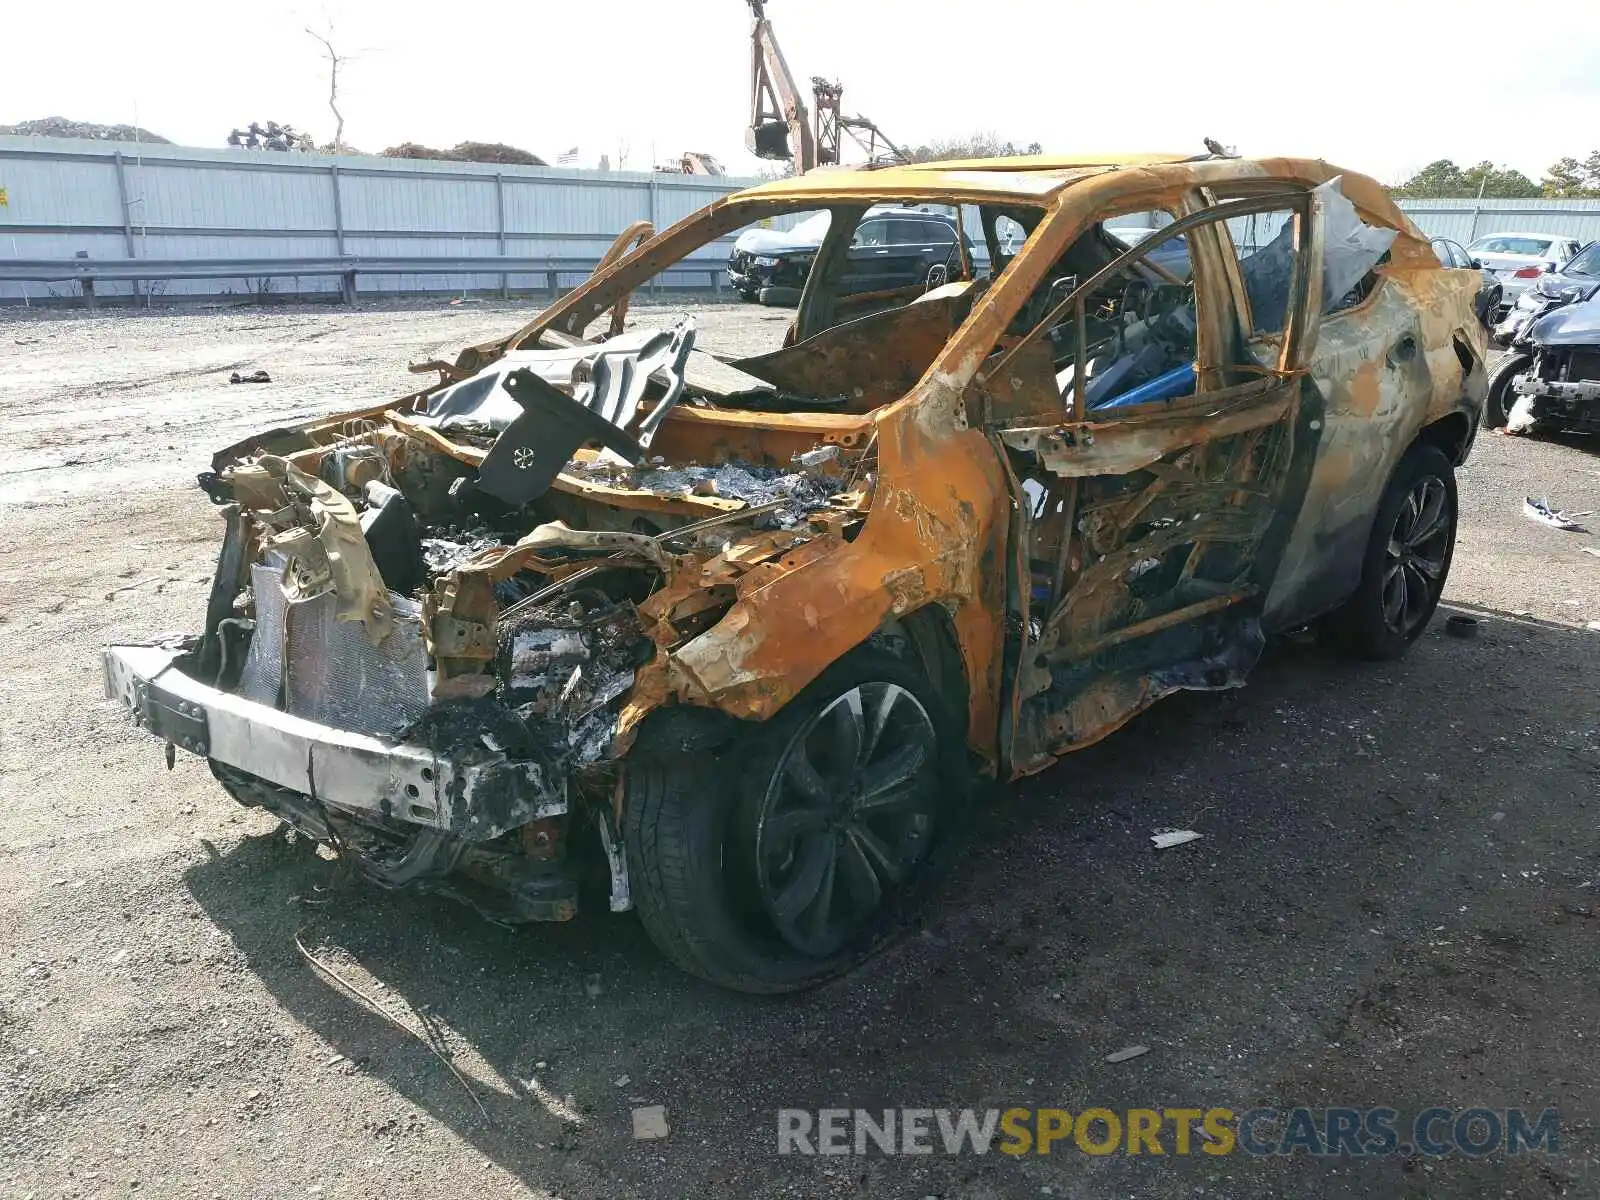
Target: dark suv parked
[{"x": 890, "y": 250}]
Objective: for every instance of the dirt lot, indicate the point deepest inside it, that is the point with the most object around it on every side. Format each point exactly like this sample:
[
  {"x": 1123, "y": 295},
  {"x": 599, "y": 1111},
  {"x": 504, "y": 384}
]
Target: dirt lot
[{"x": 1396, "y": 900}]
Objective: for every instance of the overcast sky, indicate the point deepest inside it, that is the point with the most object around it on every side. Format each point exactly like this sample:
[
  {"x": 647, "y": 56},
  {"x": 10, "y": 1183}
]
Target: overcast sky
[{"x": 1380, "y": 86}]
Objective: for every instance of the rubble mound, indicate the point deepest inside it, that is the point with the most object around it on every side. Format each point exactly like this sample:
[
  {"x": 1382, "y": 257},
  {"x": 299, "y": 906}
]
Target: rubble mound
[
  {"x": 61, "y": 127},
  {"x": 482, "y": 152}
]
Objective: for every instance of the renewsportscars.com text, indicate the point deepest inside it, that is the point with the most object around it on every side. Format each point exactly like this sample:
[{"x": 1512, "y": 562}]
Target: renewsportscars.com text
[{"x": 1260, "y": 1132}]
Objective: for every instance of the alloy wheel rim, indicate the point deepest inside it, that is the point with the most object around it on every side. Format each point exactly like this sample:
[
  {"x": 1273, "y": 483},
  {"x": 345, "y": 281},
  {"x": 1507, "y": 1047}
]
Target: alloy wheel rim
[
  {"x": 1414, "y": 559},
  {"x": 847, "y": 815}
]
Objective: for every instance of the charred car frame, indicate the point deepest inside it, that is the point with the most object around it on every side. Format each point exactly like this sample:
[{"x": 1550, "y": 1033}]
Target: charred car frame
[{"x": 751, "y": 641}]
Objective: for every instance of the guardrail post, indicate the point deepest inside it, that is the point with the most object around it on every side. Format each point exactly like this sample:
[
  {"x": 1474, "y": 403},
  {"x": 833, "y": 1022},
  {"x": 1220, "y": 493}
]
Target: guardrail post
[
  {"x": 127, "y": 217},
  {"x": 86, "y": 284},
  {"x": 552, "y": 283},
  {"x": 347, "y": 285}
]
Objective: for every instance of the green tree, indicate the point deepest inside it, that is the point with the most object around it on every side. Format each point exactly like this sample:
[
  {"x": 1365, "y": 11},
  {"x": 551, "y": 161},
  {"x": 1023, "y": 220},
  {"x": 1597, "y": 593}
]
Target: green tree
[
  {"x": 1439, "y": 178},
  {"x": 1443, "y": 179},
  {"x": 1502, "y": 183},
  {"x": 983, "y": 144},
  {"x": 1591, "y": 170},
  {"x": 1565, "y": 177}
]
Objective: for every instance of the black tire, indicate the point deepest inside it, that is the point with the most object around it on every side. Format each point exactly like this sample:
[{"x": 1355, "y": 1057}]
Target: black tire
[
  {"x": 1498, "y": 397},
  {"x": 1407, "y": 553},
  {"x": 698, "y": 833}
]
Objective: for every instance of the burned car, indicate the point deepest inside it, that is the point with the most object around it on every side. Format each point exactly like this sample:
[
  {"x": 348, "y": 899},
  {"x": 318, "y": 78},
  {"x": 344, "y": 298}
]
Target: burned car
[{"x": 742, "y": 632}]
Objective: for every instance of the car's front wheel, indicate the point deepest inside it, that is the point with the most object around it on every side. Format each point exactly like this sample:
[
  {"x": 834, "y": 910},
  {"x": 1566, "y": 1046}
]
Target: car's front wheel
[
  {"x": 1407, "y": 560},
  {"x": 809, "y": 840}
]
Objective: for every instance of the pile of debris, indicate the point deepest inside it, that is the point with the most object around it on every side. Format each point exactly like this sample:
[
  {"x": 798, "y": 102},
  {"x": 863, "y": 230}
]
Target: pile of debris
[
  {"x": 477, "y": 152},
  {"x": 61, "y": 127}
]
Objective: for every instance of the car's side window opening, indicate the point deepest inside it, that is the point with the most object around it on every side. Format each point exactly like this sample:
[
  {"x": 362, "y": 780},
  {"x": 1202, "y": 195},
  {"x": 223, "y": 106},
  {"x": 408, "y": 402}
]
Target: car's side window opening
[
  {"x": 1353, "y": 252},
  {"x": 1149, "y": 336},
  {"x": 1133, "y": 326},
  {"x": 1263, "y": 244},
  {"x": 1004, "y": 232},
  {"x": 904, "y": 233},
  {"x": 1138, "y": 334}
]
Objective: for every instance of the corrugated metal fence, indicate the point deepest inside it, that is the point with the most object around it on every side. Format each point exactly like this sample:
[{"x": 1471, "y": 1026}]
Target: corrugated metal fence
[
  {"x": 62, "y": 198},
  {"x": 1463, "y": 220}
]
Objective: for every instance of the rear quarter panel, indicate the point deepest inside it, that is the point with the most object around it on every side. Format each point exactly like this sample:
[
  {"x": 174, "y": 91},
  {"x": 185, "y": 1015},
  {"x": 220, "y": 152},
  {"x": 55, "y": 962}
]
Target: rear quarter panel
[{"x": 1376, "y": 402}]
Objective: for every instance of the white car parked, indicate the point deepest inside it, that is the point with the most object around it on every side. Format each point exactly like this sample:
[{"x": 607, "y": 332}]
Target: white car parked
[{"x": 1517, "y": 259}]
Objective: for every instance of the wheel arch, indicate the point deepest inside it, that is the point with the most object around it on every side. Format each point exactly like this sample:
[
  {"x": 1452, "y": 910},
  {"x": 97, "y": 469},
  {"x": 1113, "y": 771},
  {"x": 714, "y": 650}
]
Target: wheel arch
[
  {"x": 931, "y": 634},
  {"x": 1452, "y": 433},
  {"x": 927, "y": 636},
  {"x": 1360, "y": 626}
]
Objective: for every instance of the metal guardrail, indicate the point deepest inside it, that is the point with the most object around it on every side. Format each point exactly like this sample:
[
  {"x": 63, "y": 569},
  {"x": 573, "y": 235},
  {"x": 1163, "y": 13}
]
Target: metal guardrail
[{"x": 86, "y": 272}]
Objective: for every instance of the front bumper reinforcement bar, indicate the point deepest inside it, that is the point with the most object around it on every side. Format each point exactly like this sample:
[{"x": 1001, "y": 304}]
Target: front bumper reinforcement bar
[{"x": 395, "y": 782}]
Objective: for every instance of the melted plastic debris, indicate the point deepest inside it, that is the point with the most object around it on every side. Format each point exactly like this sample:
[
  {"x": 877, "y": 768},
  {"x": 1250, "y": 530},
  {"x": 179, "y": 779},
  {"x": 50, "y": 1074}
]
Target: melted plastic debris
[
  {"x": 535, "y": 651},
  {"x": 445, "y": 553},
  {"x": 594, "y": 731},
  {"x": 812, "y": 460},
  {"x": 802, "y": 491},
  {"x": 564, "y": 668}
]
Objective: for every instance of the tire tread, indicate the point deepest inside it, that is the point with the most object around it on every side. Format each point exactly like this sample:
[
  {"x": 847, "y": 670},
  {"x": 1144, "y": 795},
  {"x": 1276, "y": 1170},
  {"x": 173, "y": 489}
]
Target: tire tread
[
  {"x": 676, "y": 829},
  {"x": 1357, "y": 628}
]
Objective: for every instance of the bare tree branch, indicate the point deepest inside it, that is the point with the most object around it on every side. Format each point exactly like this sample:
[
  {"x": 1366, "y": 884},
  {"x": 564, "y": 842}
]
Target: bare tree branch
[{"x": 335, "y": 61}]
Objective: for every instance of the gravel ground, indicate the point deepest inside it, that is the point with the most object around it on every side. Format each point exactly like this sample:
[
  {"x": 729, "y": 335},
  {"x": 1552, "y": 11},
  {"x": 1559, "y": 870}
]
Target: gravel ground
[{"x": 1394, "y": 900}]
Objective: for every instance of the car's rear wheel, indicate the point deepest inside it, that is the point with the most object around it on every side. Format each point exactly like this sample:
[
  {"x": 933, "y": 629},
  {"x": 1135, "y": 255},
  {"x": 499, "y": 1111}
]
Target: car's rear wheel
[
  {"x": 793, "y": 855},
  {"x": 1498, "y": 396},
  {"x": 1407, "y": 560}
]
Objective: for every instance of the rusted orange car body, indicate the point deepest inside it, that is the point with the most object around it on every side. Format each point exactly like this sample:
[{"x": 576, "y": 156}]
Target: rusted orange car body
[
  {"x": 942, "y": 513},
  {"x": 1054, "y": 566}
]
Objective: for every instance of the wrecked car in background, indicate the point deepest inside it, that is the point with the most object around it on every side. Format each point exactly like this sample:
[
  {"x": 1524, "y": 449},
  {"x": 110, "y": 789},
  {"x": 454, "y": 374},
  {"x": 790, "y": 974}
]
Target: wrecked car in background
[
  {"x": 744, "y": 630},
  {"x": 1549, "y": 378},
  {"x": 1491, "y": 292},
  {"x": 892, "y": 247},
  {"x": 1517, "y": 259}
]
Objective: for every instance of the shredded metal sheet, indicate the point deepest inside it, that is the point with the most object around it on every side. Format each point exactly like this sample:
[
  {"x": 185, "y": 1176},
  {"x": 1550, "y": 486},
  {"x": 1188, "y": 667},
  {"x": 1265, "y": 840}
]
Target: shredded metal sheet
[
  {"x": 328, "y": 669},
  {"x": 336, "y": 676},
  {"x": 263, "y": 664}
]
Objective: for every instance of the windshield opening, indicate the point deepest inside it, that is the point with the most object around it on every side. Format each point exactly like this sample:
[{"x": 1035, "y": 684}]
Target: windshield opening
[{"x": 837, "y": 309}]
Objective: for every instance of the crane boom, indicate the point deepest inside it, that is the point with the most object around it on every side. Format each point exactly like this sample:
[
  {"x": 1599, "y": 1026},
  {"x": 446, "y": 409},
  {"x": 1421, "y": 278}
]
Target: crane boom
[
  {"x": 832, "y": 124},
  {"x": 780, "y": 126}
]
